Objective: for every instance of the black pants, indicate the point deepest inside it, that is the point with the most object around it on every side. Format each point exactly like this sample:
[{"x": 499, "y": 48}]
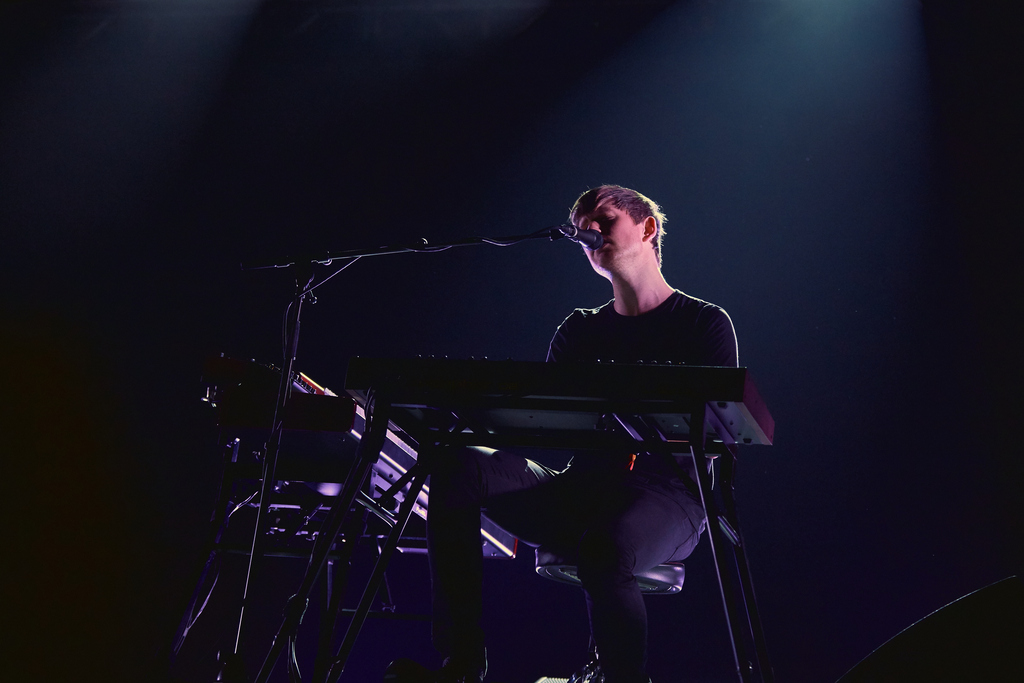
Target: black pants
[{"x": 611, "y": 522}]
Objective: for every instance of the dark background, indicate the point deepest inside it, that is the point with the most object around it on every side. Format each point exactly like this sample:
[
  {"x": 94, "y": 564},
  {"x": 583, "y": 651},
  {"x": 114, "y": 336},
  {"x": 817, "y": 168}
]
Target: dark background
[{"x": 842, "y": 177}]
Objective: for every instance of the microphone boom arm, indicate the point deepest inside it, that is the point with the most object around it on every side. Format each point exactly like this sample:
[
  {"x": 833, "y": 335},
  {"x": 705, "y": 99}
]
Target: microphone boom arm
[{"x": 551, "y": 233}]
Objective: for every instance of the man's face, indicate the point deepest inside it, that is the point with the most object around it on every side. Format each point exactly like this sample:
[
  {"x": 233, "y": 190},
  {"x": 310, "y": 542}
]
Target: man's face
[{"x": 625, "y": 240}]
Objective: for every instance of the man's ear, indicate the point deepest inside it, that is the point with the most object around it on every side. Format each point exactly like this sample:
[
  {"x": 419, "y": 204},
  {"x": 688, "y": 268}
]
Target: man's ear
[{"x": 650, "y": 228}]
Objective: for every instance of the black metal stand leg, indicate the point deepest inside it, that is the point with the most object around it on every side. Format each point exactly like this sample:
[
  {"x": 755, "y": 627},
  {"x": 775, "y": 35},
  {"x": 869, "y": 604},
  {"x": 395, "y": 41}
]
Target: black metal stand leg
[
  {"x": 336, "y": 580},
  {"x": 328, "y": 597},
  {"x": 376, "y": 577},
  {"x": 369, "y": 450},
  {"x": 728, "y": 471},
  {"x": 218, "y": 524},
  {"x": 333, "y": 593},
  {"x": 718, "y": 542}
]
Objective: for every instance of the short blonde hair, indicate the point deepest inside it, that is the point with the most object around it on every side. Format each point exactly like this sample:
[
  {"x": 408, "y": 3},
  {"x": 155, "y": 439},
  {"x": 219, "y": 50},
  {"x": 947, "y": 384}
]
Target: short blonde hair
[{"x": 636, "y": 205}]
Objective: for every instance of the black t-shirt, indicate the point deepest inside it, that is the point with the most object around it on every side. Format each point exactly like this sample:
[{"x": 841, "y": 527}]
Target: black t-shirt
[{"x": 683, "y": 329}]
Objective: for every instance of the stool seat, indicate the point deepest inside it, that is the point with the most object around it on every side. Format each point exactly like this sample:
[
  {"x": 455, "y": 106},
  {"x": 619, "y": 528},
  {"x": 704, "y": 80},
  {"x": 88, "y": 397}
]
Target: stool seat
[{"x": 665, "y": 579}]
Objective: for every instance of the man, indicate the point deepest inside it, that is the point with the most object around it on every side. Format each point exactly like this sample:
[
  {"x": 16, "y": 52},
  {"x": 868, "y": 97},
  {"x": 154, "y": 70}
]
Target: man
[{"x": 613, "y": 514}]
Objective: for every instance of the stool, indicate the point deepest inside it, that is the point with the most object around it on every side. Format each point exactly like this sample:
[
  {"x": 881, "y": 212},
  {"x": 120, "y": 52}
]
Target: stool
[{"x": 665, "y": 579}]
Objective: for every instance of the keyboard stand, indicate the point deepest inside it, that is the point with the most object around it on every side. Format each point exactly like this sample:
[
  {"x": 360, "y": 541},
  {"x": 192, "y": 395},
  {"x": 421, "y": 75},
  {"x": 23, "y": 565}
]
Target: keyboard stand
[{"x": 397, "y": 405}]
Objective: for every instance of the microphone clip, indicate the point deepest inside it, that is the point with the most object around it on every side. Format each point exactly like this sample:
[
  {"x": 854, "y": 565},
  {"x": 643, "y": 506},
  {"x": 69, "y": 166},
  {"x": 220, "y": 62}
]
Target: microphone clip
[{"x": 591, "y": 239}]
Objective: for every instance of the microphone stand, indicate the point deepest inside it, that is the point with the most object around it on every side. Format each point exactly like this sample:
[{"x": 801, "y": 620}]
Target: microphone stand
[{"x": 232, "y": 667}]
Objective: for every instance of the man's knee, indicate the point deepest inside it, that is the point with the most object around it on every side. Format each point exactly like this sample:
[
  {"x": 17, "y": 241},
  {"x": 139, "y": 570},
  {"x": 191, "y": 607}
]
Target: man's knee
[
  {"x": 468, "y": 461},
  {"x": 603, "y": 556},
  {"x": 459, "y": 468}
]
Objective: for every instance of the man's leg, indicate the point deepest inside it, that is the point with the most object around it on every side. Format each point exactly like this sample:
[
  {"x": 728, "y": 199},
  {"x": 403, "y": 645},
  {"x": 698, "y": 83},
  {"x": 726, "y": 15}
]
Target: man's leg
[
  {"x": 459, "y": 484},
  {"x": 642, "y": 528}
]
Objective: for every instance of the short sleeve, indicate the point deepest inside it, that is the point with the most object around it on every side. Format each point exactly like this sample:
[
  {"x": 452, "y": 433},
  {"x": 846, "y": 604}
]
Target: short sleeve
[
  {"x": 718, "y": 338},
  {"x": 559, "y": 348}
]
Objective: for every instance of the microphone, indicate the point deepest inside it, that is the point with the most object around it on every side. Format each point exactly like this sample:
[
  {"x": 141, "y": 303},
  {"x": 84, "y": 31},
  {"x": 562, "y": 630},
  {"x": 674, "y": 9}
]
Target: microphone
[{"x": 591, "y": 239}]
